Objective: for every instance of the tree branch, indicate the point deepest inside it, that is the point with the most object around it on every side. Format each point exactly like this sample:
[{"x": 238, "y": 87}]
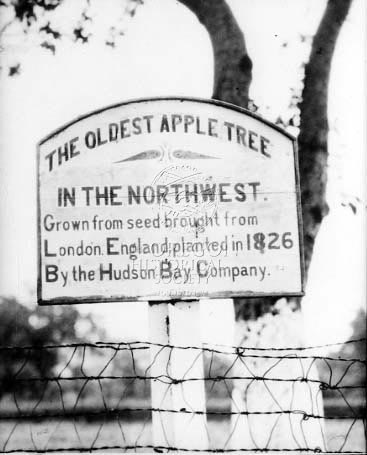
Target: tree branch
[
  {"x": 312, "y": 140},
  {"x": 232, "y": 64}
]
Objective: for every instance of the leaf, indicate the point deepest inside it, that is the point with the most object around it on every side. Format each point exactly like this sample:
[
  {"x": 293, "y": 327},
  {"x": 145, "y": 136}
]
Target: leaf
[
  {"x": 110, "y": 43},
  {"x": 352, "y": 206},
  {"x": 50, "y": 31},
  {"x": 49, "y": 46},
  {"x": 14, "y": 70},
  {"x": 79, "y": 35}
]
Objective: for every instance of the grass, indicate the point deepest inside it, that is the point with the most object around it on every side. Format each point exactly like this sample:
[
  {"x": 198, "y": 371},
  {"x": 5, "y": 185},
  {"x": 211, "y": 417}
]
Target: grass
[{"x": 342, "y": 435}]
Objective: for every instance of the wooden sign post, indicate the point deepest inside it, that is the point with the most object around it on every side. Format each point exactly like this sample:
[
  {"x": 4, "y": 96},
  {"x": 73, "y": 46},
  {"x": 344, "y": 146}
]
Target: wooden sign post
[
  {"x": 174, "y": 326},
  {"x": 169, "y": 200}
]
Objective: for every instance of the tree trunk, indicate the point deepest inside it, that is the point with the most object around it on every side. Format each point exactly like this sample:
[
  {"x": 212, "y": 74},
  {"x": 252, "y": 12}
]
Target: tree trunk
[
  {"x": 268, "y": 322},
  {"x": 232, "y": 64},
  {"x": 312, "y": 139}
]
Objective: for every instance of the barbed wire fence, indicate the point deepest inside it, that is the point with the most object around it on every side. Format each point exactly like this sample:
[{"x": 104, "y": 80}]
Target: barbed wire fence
[{"x": 98, "y": 397}]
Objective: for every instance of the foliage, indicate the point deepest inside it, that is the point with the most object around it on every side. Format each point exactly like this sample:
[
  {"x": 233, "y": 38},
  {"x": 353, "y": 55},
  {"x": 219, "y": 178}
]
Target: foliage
[
  {"x": 354, "y": 393},
  {"x": 359, "y": 328},
  {"x": 23, "y": 326},
  {"x": 39, "y": 21}
]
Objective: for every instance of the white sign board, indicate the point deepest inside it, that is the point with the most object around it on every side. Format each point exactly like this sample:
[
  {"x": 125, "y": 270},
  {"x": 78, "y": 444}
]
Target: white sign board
[{"x": 167, "y": 199}]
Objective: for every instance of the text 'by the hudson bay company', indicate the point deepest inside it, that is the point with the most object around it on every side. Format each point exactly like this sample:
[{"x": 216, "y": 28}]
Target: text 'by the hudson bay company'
[{"x": 167, "y": 199}]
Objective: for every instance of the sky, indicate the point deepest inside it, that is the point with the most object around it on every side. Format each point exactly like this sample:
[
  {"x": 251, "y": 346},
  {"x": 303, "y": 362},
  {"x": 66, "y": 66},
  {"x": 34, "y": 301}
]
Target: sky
[{"x": 165, "y": 51}]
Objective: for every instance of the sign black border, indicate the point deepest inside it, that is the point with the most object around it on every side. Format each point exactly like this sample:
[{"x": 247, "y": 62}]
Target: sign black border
[{"x": 215, "y": 295}]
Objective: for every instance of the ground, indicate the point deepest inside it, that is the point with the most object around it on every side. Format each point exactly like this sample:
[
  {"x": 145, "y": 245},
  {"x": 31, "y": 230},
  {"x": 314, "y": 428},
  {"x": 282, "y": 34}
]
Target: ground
[{"x": 67, "y": 433}]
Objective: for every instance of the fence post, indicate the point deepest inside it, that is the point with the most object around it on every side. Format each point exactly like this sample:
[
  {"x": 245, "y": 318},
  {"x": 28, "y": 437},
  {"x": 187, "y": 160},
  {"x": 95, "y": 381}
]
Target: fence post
[{"x": 178, "y": 324}]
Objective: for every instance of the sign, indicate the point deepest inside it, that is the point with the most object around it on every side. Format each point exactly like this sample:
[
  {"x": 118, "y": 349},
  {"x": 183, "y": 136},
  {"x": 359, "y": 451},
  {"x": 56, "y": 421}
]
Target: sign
[{"x": 167, "y": 199}]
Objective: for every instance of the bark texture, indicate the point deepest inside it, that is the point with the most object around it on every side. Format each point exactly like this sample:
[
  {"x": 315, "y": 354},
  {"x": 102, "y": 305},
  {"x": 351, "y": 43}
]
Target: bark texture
[
  {"x": 232, "y": 64},
  {"x": 312, "y": 139}
]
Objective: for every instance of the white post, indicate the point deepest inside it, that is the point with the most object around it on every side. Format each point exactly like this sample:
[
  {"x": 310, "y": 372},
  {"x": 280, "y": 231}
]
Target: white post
[
  {"x": 178, "y": 325},
  {"x": 162, "y": 424},
  {"x": 190, "y": 429}
]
